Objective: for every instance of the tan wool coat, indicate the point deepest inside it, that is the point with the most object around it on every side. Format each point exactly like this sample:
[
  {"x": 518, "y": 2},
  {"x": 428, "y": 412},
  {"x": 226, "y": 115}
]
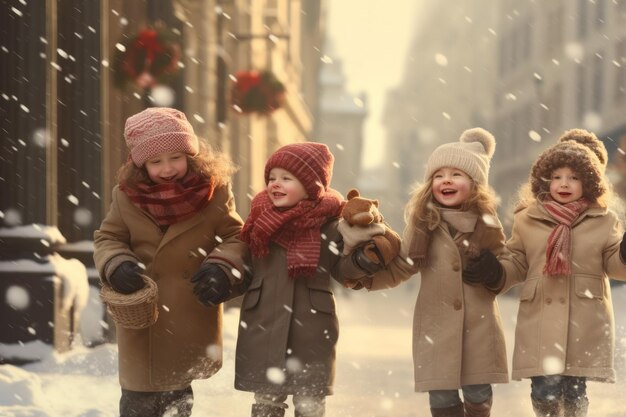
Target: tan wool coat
[
  {"x": 186, "y": 341},
  {"x": 457, "y": 332},
  {"x": 288, "y": 327},
  {"x": 565, "y": 324}
]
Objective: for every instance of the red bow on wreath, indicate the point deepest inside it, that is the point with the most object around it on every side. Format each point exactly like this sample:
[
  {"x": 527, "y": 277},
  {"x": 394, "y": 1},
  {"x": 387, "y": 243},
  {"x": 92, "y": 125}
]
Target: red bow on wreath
[
  {"x": 256, "y": 91},
  {"x": 148, "y": 58}
]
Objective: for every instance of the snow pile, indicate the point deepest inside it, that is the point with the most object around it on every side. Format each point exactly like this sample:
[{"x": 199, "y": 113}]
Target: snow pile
[
  {"x": 374, "y": 370},
  {"x": 48, "y": 234},
  {"x": 71, "y": 274},
  {"x": 21, "y": 394}
]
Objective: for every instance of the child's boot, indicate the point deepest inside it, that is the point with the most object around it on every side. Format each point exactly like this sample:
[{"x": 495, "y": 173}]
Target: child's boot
[
  {"x": 478, "y": 409},
  {"x": 306, "y": 406},
  {"x": 547, "y": 408},
  {"x": 454, "y": 411},
  {"x": 267, "y": 410},
  {"x": 576, "y": 408}
]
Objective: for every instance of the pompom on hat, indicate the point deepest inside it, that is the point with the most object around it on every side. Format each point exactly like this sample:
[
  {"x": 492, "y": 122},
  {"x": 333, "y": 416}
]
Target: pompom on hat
[
  {"x": 310, "y": 162},
  {"x": 157, "y": 130},
  {"x": 589, "y": 140},
  {"x": 471, "y": 154}
]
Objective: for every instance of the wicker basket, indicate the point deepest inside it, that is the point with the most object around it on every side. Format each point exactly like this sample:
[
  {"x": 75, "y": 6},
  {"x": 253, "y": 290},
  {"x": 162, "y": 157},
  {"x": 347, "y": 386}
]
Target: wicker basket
[{"x": 137, "y": 310}]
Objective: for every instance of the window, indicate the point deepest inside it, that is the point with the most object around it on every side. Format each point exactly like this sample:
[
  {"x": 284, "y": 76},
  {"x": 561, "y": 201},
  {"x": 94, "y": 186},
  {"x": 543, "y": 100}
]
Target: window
[
  {"x": 620, "y": 8},
  {"x": 581, "y": 92},
  {"x": 620, "y": 71},
  {"x": 598, "y": 85},
  {"x": 600, "y": 13},
  {"x": 582, "y": 18},
  {"x": 504, "y": 58},
  {"x": 551, "y": 118},
  {"x": 554, "y": 32}
]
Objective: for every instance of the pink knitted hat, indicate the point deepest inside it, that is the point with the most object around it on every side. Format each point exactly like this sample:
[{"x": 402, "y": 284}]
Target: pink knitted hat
[
  {"x": 310, "y": 162},
  {"x": 157, "y": 130}
]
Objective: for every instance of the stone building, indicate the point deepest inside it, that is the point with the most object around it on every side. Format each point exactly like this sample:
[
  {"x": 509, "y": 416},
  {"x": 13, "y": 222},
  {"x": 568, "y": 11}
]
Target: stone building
[
  {"x": 340, "y": 124},
  {"x": 526, "y": 71},
  {"x": 63, "y": 106},
  {"x": 62, "y": 113}
]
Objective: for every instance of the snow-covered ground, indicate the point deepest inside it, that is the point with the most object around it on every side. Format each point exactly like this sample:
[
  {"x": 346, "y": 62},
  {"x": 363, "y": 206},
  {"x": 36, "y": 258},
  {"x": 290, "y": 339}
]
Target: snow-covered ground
[{"x": 374, "y": 373}]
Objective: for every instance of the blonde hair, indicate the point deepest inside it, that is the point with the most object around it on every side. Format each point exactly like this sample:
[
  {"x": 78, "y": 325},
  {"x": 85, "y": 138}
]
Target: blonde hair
[
  {"x": 422, "y": 207},
  {"x": 208, "y": 163}
]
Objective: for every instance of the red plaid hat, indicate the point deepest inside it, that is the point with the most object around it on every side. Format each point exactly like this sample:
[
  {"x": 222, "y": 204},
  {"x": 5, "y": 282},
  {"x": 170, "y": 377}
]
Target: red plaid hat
[
  {"x": 310, "y": 162},
  {"x": 157, "y": 130}
]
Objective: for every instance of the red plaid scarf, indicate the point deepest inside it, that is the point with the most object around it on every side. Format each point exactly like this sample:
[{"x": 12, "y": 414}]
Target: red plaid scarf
[
  {"x": 559, "y": 247},
  {"x": 172, "y": 202},
  {"x": 297, "y": 229}
]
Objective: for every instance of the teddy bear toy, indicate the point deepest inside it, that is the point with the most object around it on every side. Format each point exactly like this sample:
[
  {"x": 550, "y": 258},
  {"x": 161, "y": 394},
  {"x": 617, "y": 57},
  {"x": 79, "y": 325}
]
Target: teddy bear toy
[{"x": 364, "y": 220}]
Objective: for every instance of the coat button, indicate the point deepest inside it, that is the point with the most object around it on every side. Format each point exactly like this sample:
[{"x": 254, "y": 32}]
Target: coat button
[
  {"x": 562, "y": 300},
  {"x": 548, "y": 300},
  {"x": 456, "y": 266},
  {"x": 457, "y": 305}
]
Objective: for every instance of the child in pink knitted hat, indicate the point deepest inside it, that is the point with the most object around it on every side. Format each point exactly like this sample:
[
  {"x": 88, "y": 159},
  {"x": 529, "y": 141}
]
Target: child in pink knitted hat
[{"x": 172, "y": 206}]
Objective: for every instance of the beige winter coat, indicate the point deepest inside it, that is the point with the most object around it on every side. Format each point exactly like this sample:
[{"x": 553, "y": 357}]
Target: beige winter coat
[
  {"x": 186, "y": 342},
  {"x": 457, "y": 332},
  {"x": 288, "y": 327},
  {"x": 565, "y": 324}
]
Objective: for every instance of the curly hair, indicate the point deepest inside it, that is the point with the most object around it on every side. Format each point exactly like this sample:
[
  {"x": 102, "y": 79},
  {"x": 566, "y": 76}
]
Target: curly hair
[
  {"x": 579, "y": 159},
  {"x": 208, "y": 163},
  {"x": 422, "y": 207}
]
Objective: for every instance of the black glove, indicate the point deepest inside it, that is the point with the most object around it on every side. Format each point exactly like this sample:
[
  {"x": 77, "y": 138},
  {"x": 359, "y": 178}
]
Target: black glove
[
  {"x": 360, "y": 259},
  {"x": 127, "y": 278},
  {"x": 622, "y": 248},
  {"x": 211, "y": 285},
  {"x": 484, "y": 269}
]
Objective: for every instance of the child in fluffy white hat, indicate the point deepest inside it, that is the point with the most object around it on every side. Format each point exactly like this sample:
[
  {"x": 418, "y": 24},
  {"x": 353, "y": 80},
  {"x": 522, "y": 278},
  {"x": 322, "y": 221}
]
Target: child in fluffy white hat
[
  {"x": 458, "y": 342},
  {"x": 171, "y": 207}
]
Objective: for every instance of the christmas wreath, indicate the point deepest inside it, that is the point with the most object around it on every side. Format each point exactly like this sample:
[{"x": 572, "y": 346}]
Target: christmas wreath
[
  {"x": 148, "y": 58},
  {"x": 259, "y": 92}
]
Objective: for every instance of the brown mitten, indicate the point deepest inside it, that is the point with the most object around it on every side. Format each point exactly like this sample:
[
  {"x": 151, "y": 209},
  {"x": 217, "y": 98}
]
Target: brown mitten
[{"x": 383, "y": 248}]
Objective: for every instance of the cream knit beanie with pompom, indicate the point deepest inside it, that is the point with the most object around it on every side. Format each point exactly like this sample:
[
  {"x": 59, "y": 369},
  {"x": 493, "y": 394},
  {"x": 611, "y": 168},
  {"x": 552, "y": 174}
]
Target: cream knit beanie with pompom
[{"x": 471, "y": 154}]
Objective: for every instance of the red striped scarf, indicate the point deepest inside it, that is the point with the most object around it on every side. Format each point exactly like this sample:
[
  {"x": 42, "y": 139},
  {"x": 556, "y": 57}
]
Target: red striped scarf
[
  {"x": 172, "y": 202},
  {"x": 297, "y": 229},
  {"x": 559, "y": 247}
]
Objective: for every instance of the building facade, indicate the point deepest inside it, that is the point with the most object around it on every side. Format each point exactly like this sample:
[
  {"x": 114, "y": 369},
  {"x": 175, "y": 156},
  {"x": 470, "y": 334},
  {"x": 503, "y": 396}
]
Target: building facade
[
  {"x": 63, "y": 111},
  {"x": 340, "y": 124},
  {"x": 526, "y": 71}
]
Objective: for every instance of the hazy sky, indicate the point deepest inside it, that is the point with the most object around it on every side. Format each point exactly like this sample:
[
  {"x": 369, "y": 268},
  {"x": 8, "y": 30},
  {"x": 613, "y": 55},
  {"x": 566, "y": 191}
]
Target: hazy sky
[{"x": 372, "y": 39}]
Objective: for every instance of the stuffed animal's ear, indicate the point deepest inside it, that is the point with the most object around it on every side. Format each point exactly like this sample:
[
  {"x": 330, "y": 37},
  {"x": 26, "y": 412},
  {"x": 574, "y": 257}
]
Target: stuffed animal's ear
[
  {"x": 375, "y": 202},
  {"x": 353, "y": 193}
]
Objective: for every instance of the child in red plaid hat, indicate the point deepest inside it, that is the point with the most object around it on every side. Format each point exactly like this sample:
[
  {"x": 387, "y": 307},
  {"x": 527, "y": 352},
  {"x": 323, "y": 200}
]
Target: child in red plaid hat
[
  {"x": 171, "y": 207},
  {"x": 288, "y": 327}
]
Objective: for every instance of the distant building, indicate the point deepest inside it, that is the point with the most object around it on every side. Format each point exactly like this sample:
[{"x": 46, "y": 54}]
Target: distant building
[
  {"x": 340, "y": 125},
  {"x": 561, "y": 65},
  {"x": 445, "y": 90},
  {"x": 526, "y": 71}
]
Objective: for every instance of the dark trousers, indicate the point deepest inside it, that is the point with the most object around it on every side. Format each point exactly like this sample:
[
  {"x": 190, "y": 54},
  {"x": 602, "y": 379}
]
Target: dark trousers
[
  {"x": 559, "y": 387},
  {"x": 155, "y": 404}
]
